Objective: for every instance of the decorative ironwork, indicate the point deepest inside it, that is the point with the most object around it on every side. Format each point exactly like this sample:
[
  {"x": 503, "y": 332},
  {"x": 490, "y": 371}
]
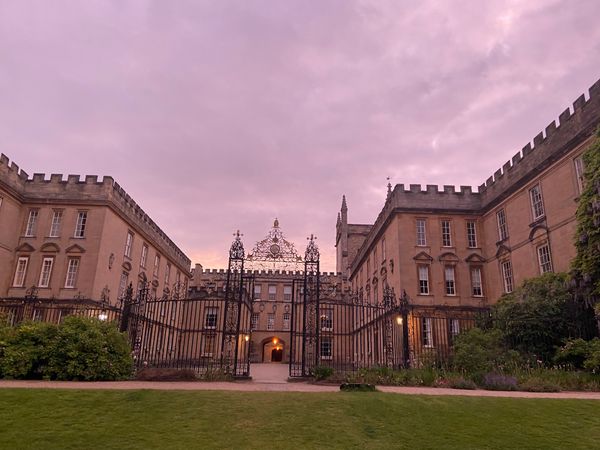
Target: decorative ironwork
[
  {"x": 237, "y": 248},
  {"x": 274, "y": 251},
  {"x": 312, "y": 251}
]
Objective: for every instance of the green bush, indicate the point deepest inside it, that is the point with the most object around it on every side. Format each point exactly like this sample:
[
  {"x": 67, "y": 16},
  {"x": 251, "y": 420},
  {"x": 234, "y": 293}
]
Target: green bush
[
  {"x": 573, "y": 353},
  {"x": 322, "y": 372},
  {"x": 592, "y": 362},
  {"x": 88, "y": 349},
  {"x": 461, "y": 383},
  {"x": 25, "y": 351},
  {"x": 78, "y": 349},
  {"x": 539, "y": 384},
  {"x": 477, "y": 351},
  {"x": 537, "y": 316}
]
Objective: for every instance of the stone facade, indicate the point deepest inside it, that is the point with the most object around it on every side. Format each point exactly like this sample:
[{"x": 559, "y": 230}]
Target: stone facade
[
  {"x": 79, "y": 238},
  {"x": 463, "y": 248}
]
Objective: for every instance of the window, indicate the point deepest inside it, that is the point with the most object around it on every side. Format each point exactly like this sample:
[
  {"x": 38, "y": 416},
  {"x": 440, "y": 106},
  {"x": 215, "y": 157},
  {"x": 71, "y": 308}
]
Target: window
[
  {"x": 210, "y": 317},
  {"x": 383, "y": 257},
  {"x": 476, "y": 286},
  {"x": 421, "y": 233},
  {"x": 375, "y": 293},
  {"x": 502, "y": 227},
  {"x": 20, "y": 272},
  {"x": 454, "y": 327},
  {"x": 537, "y": 206},
  {"x": 446, "y": 238},
  {"x": 144, "y": 257},
  {"x": 45, "y": 272},
  {"x": 471, "y": 234},
  {"x": 286, "y": 321},
  {"x": 368, "y": 266},
  {"x": 257, "y": 291},
  {"x": 326, "y": 319},
  {"x": 156, "y": 265},
  {"x": 507, "y": 276},
  {"x": 72, "y": 267},
  {"x": 167, "y": 274},
  {"x": 579, "y": 173},
  {"x": 55, "y": 225},
  {"x": 80, "y": 225},
  {"x": 31, "y": 222},
  {"x": 326, "y": 348},
  {"x": 544, "y": 258},
  {"x": 128, "y": 244},
  {"x": 450, "y": 281},
  {"x": 209, "y": 345},
  {"x": 254, "y": 321},
  {"x": 272, "y": 292},
  {"x": 375, "y": 257},
  {"x": 271, "y": 321},
  {"x": 427, "y": 332},
  {"x": 287, "y": 293},
  {"x": 423, "y": 280},
  {"x": 123, "y": 284}
]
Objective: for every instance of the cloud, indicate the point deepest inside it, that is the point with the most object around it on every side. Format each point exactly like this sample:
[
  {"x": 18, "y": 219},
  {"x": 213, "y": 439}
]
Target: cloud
[{"x": 222, "y": 115}]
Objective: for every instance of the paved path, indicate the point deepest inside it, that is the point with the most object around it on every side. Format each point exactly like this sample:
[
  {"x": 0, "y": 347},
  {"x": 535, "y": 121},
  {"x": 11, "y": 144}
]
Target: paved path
[
  {"x": 269, "y": 373},
  {"x": 252, "y": 386}
]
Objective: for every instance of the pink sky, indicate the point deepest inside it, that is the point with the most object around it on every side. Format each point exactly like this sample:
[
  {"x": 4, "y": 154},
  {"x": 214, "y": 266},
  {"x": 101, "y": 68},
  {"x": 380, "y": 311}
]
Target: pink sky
[{"x": 219, "y": 115}]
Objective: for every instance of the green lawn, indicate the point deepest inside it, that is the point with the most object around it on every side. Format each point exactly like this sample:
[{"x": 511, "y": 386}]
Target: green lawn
[{"x": 177, "y": 419}]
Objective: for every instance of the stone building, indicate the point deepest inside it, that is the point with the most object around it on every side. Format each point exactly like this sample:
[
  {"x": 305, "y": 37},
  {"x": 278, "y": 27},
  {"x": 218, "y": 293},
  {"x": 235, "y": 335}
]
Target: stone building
[
  {"x": 275, "y": 268},
  {"x": 87, "y": 238},
  {"x": 460, "y": 248}
]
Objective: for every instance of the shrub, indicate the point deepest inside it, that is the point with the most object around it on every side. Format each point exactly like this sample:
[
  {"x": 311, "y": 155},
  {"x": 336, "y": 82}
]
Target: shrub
[
  {"x": 477, "y": 351},
  {"x": 322, "y": 372},
  {"x": 357, "y": 387},
  {"x": 573, "y": 353},
  {"x": 592, "y": 362},
  {"x": 160, "y": 374},
  {"x": 461, "y": 383},
  {"x": 88, "y": 349},
  {"x": 498, "y": 382},
  {"x": 25, "y": 350},
  {"x": 538, "y": 384},
  {"x": 538, "y": 316}
]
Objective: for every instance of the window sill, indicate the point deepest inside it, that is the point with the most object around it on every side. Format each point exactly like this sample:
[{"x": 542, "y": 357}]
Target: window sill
[
  {"x": 537, "y": 221},
  {"x": 77, "y": 237},
  {"x": 326, "y": 358},
  {"x": 425, "y": 295}
]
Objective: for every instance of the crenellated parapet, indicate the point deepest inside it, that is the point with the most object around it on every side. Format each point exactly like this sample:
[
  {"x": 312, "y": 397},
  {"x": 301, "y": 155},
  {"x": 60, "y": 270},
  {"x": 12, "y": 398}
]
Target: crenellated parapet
[
  {"x": 88, "y": 189},
  {"x": 284, "y": 274},
  {"x": 574, "y": 126}
]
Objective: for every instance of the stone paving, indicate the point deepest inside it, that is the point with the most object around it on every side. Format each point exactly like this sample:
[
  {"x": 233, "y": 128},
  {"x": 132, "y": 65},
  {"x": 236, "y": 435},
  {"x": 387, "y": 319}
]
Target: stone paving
[
  {"x": 274, "y": 378},
  {"x": 264, "y": 386}
]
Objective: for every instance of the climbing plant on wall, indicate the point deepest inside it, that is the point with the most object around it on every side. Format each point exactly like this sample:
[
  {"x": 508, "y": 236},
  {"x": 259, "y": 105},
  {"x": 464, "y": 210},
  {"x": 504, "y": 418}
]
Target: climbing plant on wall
[{"x": 586, "y": 266}]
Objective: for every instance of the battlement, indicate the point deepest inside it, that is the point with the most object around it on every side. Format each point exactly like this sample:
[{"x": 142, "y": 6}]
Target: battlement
[
  {"x": 40, "y": 187},
  {"x": 575, "y": 125},
  {"x": 268, "y": 273}
]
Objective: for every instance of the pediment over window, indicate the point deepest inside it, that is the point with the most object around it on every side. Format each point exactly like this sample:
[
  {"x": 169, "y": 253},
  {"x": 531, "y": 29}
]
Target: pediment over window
[
  {"x": 142, "y": 276},
  {"x": 25, "y": 248},
  {"x": 475, "y": 258},
  {"x": 537, "y": 231},
  {"x": 50, "y": 248},
  {"x": 127, "y": 266},
  {"x": 155, "y": 283},
  {"x": 423, "y": 257},
  {"x": 502, "y": 250},
  {"x": 75, "y": 248},
  {"x": 448, "y": 257}
]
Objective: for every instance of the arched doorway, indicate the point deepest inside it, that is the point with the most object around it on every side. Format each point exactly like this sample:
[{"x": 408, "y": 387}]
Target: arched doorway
[{"x": 273, "y": 350}]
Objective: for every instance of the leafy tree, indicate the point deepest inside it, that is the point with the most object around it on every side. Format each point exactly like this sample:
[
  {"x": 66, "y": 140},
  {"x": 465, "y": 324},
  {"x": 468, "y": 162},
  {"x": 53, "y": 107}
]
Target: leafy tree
[
  {"x": 539, "y": 316},
  {"x": 586, "y": 265}
]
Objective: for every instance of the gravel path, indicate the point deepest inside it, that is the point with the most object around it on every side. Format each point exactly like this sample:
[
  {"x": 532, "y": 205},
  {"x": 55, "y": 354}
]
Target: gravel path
[{"x": 251, "y": 386}]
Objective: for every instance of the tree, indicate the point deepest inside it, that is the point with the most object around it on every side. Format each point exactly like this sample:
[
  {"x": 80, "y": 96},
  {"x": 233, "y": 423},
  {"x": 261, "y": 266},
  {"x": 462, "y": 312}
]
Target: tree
[{"x": 540, "y": 315}]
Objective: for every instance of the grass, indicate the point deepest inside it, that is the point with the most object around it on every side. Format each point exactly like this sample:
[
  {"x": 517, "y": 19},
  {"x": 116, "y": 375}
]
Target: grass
[{"x": 176, "y": 419}]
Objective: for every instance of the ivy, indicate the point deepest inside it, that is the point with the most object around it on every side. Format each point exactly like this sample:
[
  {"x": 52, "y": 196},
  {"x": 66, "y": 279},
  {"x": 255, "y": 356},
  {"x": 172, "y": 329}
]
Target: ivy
[{"x": 586, "y": 265}]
